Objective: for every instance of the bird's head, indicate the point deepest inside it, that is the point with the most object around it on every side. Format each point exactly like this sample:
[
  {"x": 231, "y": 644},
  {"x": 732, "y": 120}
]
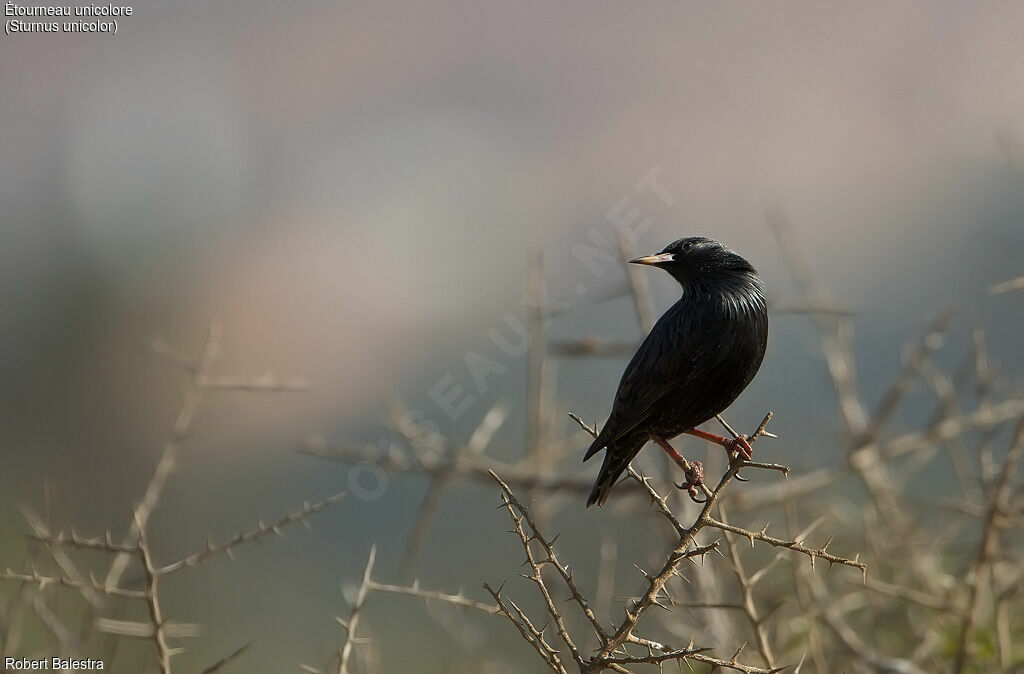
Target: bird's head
[{"x": 699, "y": 260}]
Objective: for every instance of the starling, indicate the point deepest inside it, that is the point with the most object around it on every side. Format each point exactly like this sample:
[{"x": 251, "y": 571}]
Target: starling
[{"x": 698, "y": 358}]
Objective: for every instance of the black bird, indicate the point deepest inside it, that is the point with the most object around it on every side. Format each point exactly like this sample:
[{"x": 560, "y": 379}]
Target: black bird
[{"x": 699, "y": 357}]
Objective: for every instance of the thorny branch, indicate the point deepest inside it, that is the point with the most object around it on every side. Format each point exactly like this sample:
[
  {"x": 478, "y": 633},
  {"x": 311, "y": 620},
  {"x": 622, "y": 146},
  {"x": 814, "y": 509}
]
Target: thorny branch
[
  {"x": 212, "y": 550},
  {"x": 610, "y": 654},
  {"x": 828, "y": 622},
  {"x": 367, "y": 586},
  {"x": 136, "y": 545},
  {"x": 988, "y": 546},
  {"x": 350, "y": 625}
]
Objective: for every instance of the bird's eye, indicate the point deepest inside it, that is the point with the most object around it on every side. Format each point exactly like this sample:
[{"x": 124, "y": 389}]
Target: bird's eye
[{"x": 687, "y": 245}]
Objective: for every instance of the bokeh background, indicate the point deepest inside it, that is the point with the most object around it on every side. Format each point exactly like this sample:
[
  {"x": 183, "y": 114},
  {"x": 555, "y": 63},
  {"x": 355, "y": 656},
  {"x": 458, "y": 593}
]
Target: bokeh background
[{"x": 352, "y": 189}]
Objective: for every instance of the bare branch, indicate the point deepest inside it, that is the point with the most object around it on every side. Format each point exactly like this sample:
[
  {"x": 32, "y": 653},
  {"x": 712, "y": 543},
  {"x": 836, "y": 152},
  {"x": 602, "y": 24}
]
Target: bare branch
[
  {"x": 44, "y": 581},
  {"x": 182, "y": 426},
  {"x": 518, "y": 513},
  {"x": 1007, "y": 286},
  {"x": 226, "y": 660},
  {"x": 796, "y": 546},
  {"x": 164, "y": 652},
  {"x": 268, "y": 383},
  {"x": 988, "y": 545},
  {"x": 415, "y": 590},
  {"x": 749, "y": 606},
  {"x": 350, "y": 625},
  {"x": 526, "y": 629},
  {"x": 475, "y": 468},
  {"x": 262, "y": 530},
  {"x": 74, "y": 540}
]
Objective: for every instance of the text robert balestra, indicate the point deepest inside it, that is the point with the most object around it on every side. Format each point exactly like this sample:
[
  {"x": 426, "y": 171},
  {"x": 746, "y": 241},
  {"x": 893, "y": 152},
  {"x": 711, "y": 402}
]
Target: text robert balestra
[{"x": 51, "y": 664}]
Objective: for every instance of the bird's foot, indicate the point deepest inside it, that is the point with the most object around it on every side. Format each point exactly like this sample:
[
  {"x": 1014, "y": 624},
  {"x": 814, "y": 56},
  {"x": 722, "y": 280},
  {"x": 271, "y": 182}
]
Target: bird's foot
[
  {"x": 694, "y": 480},
  {"x": 693, "y": 470},
  {"x": 741, "y": 445}
]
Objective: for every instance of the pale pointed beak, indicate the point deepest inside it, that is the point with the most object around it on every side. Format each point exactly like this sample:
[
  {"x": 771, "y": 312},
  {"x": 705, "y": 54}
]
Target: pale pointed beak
[{"x": 654, "y": 260}]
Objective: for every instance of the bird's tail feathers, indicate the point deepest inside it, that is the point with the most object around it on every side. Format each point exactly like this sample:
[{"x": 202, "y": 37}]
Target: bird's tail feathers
[
  {"x": 595, "y": 447},
  {"x": 616, "y": 460}
]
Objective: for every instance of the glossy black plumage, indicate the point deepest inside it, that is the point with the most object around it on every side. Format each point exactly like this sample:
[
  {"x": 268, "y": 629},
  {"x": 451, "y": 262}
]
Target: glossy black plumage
[{"x": 698, "y": 358}]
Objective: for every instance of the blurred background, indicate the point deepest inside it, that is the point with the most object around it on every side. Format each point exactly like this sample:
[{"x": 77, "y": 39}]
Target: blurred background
[{"x": 353, "y": 189}]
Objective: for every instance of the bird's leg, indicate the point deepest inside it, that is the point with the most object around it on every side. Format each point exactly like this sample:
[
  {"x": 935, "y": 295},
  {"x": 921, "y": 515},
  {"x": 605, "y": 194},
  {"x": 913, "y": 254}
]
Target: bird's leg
[
  {"x": 693, "y": 470},
  {"x": 739, "y": 444}
]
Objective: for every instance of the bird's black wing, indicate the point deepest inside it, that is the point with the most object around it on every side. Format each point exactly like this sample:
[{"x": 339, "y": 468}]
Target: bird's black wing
[{"x": 663, "y": 364}]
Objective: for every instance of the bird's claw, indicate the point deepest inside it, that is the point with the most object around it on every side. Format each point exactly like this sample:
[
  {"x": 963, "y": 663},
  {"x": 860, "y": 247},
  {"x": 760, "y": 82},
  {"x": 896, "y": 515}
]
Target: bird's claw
[
  {"x": 741, "y": 445},
  {"x": 691, "y": 489},
  {"x": 694, "y": 480}
]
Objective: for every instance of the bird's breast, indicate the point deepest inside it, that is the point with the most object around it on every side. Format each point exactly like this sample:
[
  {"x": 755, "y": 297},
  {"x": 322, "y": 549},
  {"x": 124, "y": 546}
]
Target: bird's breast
[{"x": 722, "y": 342}]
